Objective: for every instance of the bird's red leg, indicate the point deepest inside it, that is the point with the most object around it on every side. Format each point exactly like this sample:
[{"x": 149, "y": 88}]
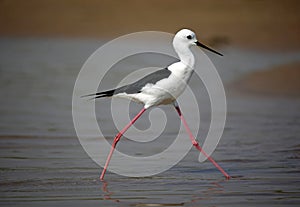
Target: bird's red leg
[
  {"x": 196, "y": 144},
  {"x": 116, "y": 140}
]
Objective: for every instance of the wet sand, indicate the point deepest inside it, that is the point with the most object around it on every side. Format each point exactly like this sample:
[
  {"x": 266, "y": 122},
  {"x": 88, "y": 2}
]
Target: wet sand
[{"x": 279, "y": 81}]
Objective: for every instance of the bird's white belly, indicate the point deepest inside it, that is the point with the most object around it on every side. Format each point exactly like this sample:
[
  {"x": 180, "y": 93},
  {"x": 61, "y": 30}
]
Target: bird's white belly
[{"x": 165, "y": 91}]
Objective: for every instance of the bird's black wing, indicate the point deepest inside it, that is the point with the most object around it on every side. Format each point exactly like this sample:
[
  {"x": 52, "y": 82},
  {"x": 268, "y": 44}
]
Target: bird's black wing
[{"x": 137, "y": 86}]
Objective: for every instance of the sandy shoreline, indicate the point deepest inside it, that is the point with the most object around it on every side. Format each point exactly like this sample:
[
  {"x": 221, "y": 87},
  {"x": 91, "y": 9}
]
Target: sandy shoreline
[
  {"x": 279, "y": 81},
  {"x": 251, "y": 24}
]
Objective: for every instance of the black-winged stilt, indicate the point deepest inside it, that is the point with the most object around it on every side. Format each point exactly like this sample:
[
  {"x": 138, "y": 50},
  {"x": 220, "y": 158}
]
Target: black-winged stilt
[{"x": 162, "y": 87}]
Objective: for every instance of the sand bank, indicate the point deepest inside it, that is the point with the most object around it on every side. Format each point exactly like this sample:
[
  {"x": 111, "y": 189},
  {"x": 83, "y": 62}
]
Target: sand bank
[{"x": 281, "y": 81}]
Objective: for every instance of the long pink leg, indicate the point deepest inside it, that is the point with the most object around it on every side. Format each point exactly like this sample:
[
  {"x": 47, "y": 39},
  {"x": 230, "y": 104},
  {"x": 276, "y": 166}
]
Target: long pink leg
[
  {"x": 196, "y": 144},
  {"x": 116, "y": 140}
]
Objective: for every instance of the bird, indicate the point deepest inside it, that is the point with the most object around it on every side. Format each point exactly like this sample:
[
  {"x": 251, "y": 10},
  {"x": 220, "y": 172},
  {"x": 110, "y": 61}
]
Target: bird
[{"x": 162, "y": 87}]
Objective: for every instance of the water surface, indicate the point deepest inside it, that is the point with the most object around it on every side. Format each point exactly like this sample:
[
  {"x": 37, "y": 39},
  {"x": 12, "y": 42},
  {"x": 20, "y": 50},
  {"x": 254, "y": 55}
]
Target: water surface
[{"x": 43, "y": 163}]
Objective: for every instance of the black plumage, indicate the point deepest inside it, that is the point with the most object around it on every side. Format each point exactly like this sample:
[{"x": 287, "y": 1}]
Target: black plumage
[{"x": 137, "y": 86}]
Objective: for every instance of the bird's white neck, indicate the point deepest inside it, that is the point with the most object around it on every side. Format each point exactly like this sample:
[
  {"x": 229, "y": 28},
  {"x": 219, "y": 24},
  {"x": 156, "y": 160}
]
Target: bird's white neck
[{"x": 186, "y": 56}]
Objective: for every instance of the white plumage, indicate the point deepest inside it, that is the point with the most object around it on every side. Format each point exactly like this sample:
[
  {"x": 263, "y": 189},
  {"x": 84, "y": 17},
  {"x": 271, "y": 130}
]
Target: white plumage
[
  {"x": 166, "y": 85},
  {"x": 162, "y": 87}
]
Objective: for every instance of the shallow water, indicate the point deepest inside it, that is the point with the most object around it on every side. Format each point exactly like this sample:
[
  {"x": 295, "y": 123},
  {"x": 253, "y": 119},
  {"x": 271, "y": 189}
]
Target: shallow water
[
  {"x": 43, "y": 163},
  {"x": 42, "y": 73},
  {"x": 260, "y": 148}
]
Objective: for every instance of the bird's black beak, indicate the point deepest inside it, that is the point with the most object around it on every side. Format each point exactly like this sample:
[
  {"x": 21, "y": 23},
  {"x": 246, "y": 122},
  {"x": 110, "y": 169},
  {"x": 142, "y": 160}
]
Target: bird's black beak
[{"x": 205, "y": 47}]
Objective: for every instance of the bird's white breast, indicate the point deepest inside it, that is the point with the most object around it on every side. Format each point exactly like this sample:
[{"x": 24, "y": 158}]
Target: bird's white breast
[{"x": 167, "y": 90}]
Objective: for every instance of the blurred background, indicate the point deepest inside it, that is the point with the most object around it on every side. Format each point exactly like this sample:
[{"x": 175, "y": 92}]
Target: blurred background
[
  {"x": 253, "y": 24},
  {"x": 43, "y": 45}
]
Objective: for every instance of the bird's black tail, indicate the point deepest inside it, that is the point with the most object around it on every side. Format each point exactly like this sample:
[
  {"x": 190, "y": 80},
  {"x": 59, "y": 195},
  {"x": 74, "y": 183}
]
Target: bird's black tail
[{"x": 108, "y": 93}]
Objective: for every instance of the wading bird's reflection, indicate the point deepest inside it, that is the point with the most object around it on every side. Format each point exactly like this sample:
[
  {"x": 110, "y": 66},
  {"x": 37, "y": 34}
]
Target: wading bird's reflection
[
  {"x": 206, "y": 194},
  {"x": 106, "y": 193}
]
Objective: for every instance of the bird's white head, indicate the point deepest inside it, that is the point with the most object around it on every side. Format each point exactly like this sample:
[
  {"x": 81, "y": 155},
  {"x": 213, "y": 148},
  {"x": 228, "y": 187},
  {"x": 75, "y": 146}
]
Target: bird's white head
[{"x": 186, "y": 38}]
